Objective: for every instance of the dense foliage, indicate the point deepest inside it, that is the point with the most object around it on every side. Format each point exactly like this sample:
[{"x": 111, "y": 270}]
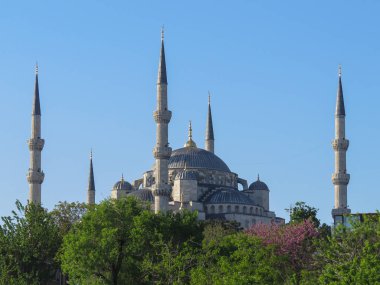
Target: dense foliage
[{"x": 123, "y": 242}]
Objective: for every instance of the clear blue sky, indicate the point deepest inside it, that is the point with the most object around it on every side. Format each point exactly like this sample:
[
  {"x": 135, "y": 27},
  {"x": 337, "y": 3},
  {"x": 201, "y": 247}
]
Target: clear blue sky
[{"x": 270, "y": 65}]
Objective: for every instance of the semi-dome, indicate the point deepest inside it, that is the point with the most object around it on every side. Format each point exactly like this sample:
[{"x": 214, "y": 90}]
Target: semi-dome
[
  {"x": 192, "y": 157},
  {"x": 186, "y": 175},
  {"x": 258, "y": 185},
  {"x": 143, "y": 194},
  {"x": 122, "y": 185},
  {"x": 228, "y": 196}
]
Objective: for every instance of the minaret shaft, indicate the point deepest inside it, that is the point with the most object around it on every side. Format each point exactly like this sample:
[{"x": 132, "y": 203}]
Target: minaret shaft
[
  {"x": 162, "y": 151},
  {"x": 340, "y": 178},
  {"x": 35, "y": 174}
]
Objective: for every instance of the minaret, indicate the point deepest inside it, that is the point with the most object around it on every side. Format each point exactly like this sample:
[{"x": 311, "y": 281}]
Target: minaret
[
  {"x": 162, "y": 151},
  {"x": 91, "y": 184},
  {"x": 35, "y": 174},
  {"x": 340, "y": 145},
  {"x": 209, "y": 141}
]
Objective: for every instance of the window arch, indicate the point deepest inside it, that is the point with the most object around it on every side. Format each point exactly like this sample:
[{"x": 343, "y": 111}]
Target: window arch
[
  {"x": 212, "y": 209},
  {"x": 220, "y": 209}
]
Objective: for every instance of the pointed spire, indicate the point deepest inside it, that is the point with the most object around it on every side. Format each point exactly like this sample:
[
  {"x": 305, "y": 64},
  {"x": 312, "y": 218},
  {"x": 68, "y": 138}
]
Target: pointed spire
[
  {"x": 36, "y": 102},
  {"x": 190, "y": 142},
  {"x": 340, "y": 110},
  {"x": 209, "y": 126},
  {"x": 122, "y": 177},
  {"x": 162, "y": 79},
  {"x": 91, "y": 180}
]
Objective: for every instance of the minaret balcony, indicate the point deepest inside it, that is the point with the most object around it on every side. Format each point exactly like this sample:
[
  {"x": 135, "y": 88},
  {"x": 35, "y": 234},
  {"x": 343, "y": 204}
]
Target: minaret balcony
[
  {"x": 162, "y": 189},
  {"x": 340, "y": 178},
  {"x": 162, "y": 116},
  {"x": 340, "y": 144},
  {"x": 35, "y": 177},
  {"x": 162, "y": 152},
  {"x": 36, "y": 144}
]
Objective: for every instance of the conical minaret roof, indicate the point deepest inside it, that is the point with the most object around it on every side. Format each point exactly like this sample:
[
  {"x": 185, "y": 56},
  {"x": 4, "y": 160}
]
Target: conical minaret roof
[
  {"x": 91, "y": 180},
  {"x": 209, "y": 126},
  {"x": 36, "y": 101},
  {"x": 340, "y": 110},
  {"x": 162, "y": 78}
]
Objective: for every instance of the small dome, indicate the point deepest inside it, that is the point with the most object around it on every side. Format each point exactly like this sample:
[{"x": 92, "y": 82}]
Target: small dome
[
  {"x": 258, "y": 185},
  {"x": 122, "y": 185},
  {"x": 143, "y": 194},
  {"x": 229, "y": 196},
  {"x": 186, "y": 175}
]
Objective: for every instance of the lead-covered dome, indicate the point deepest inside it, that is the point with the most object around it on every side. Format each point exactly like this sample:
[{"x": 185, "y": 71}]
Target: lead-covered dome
[
  {"x": 258, "y": 185},
  {"x": 228, "y": 196},
  {"x": 122, "y": 185},
  {"x": 143, "y": 194},
  {"x": 192, "y": 157}
]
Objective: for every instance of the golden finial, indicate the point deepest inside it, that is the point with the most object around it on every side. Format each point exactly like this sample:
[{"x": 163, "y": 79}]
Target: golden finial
[
  {"x": 190, "y": 131},
  {"x": 340, "y": 70},
  {"x": 190, "y": 142}
]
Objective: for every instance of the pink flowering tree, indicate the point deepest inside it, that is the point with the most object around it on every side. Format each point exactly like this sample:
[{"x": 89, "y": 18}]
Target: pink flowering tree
[{"x": 292, "y": 240}]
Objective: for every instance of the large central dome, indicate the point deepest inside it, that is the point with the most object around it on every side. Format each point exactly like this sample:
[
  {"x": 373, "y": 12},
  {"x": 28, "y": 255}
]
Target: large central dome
[{"x": 193, "y": 157}]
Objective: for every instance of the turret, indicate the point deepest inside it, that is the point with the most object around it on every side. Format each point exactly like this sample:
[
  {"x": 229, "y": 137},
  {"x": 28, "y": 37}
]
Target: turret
[
  {"x": 340, "y": 144},
  {"x": 209, "y": 141},
  {"x": 162, "y": 151},
  {"x": 91, "y": 184},
  {"x": 35, "y": 174}
]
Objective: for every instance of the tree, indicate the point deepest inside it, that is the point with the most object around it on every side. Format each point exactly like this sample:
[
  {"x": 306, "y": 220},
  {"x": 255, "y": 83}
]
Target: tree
[
  {"x": 29, "y": 241},
  {"x": 238, "y": 259},
  {"x": 66, "y": 214},
  {"x": 123, "y": 242},
  {"x": 301, "y": 212},
  {"x": 352, "y": 254},
  {"x": 295, "y": 241}
]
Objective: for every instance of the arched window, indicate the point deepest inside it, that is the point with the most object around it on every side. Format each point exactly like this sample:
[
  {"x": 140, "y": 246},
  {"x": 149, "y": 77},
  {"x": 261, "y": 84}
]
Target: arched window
[
  {"x": 236, "y": 209},
  {"x": 257, "y": 211},
  {"x": 220, "y": 208},
  {"x": 212, "y": 209},
  {"x": 245, "y": 210},
  {"x": 229, "y": 209},
  {"x": 251, "y": 210},
  {"x": 253, "y": 221}
]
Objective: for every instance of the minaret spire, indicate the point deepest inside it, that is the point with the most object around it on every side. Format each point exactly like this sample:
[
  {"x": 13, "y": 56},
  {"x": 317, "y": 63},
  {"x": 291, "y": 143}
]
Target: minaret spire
[
  {"x": 340, "y": 178},
  {"x": 35, "y": 174},
  {"x": 209, "y": 141},
  {"x": 162, "y": 78},
  {"x": 91, "y": 184},
  {"x": 162, "y": 151}
]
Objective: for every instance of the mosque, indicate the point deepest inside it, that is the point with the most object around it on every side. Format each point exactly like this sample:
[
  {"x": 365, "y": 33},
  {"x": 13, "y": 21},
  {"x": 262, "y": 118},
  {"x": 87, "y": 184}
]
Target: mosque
[{"x": 191, "y": 177}]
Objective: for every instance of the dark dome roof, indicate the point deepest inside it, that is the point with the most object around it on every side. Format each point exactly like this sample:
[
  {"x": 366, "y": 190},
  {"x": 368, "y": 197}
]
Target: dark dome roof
[
  {"x": 192, "y": 157},
  {"x": 143, "y": 194},
  {"x": 258, "y": 185},
  {"x": 122, "y": 185},
  {"x": 228, "y": 196},
  {"x": 186, "y": 175}
]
